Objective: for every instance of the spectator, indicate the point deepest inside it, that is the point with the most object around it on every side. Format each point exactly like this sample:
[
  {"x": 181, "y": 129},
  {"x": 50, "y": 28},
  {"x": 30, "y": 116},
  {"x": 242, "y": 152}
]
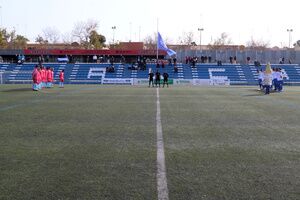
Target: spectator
[
  {"x": 110, "y": 69},
  {"x": 157, "y": 64},
  {"x": 248, "y": 60},
  {"x": 112, "y": 60},
  {"x": 170, "y": 61},
  {"x": 175, "y": 61},
  {"x": 95, "y": 58},
  {"x": 123, "y": 60},
  {"x": 175, "y": 69},
  {"x": 193, "y": 62},
  {"x": 144, "y": 64},
  {"x": 202, "y": 59},
  {"x": 234, "y": 60}
]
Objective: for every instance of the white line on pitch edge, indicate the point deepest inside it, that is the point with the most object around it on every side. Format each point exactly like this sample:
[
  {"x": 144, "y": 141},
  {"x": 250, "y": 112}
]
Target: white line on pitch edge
[{"x": 162, "y": 186}]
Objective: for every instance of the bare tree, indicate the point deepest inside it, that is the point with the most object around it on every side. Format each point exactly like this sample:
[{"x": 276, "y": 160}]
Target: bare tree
[
  {"x": 221, "y": 42},
  {"x": 257, "y": 44},
  {"x": 82, "y": 31},
  {"x": 39, "y": 39},
  {"x": 51, "y": 35},
  {"x": 187, "y": 38},
  {"x": 150, "y": 41},
  {"x": 67, "y": 38},
  {"x": 297, "y": 44},
  {"x": 168, "y": 40}
]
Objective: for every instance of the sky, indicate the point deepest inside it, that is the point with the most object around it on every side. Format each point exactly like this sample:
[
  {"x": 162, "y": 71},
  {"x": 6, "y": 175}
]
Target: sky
[{"x": 266, "y": 20}]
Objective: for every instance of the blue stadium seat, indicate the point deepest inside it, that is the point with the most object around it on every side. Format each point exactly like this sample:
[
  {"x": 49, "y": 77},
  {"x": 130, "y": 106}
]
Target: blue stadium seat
[{"x": 94, "y": 73}]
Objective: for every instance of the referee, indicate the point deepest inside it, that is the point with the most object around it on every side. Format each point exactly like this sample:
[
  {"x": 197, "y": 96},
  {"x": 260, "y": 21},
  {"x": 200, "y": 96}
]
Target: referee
[{"x": 166, "y": 76}]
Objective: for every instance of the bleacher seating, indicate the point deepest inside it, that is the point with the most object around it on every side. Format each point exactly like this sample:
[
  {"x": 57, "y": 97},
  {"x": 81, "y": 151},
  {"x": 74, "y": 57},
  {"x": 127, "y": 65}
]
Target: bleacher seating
[{"x": 95, "y": 73}]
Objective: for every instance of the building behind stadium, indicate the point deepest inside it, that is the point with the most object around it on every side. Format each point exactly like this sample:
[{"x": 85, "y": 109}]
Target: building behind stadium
[{"x": 131, "y": 51}]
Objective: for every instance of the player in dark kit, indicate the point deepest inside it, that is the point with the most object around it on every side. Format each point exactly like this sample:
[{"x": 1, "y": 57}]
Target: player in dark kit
[
  {"x": 157, "y": 78},
  {"x": 151, "y": 75},
  {"x": 166, "y": 76}
]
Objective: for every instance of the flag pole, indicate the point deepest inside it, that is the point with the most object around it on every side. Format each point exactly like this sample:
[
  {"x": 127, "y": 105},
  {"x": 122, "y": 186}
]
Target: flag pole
[{"x": 157, "y": 41}]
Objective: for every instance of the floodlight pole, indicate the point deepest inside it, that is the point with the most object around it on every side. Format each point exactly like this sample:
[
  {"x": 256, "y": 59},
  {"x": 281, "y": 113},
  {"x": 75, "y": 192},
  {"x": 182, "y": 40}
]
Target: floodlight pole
[
  {"x": 1, "y": 15},
  {"x": 157, "y": 42},
  {"x": 290, "y": 36},
  {"x": 200, "y": 30},
  {"x": 130, "y": 27},
  {"x": 113, "y": 28},
  {"x": 139, "y": 33}
]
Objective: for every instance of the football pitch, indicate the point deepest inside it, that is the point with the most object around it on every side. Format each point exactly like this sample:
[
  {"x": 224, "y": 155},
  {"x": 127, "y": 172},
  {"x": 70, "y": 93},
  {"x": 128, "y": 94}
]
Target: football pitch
[{"x": 100, "y": 142}]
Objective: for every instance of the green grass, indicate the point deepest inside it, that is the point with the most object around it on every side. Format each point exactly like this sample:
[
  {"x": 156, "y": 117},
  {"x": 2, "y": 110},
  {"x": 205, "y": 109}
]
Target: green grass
[
  {"x": 231, "y": 143},
  {"x": 82, "y": 142},
  {"x": 99, "y": 142}
]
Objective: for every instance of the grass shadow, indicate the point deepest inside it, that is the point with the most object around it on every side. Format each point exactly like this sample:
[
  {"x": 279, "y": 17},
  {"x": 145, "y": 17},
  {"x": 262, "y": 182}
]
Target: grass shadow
[
  {"x": 258, "y": 93},
  {"x": 18, "y": 90},
  {"x": 254, "y": 95},
  {"x": 254, "y": 90}
]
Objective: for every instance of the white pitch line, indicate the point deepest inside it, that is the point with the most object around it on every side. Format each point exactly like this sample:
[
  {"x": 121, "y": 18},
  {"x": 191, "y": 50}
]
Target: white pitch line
[{"x": 162, "y": 186}]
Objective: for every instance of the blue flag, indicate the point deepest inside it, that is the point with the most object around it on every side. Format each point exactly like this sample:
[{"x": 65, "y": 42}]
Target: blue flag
[{"x": 162, "y": 46}]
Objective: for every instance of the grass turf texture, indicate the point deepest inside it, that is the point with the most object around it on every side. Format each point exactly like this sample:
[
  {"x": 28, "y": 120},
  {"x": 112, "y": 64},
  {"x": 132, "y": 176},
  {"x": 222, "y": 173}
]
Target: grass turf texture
[
  {"x": 81, "y": 142},
  {"x": 95, "y": 142}
]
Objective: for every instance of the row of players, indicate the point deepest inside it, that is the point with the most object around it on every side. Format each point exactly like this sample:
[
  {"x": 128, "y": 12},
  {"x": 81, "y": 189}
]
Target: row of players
[
  {"x": 269, "y": 80},
  {"x": 157, "y": 77},
  {"x": 43, "y": 77}
]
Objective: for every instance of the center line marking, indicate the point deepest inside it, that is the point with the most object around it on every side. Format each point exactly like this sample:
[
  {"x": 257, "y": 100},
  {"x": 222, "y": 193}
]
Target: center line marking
[{"x": 162, "y": 186}]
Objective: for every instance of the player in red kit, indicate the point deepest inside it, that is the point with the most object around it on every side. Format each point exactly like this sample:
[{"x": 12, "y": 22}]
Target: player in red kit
[
  {"x": 39, "y": 78},
  {"x": 34, "y": 78},
  {"x": 49, "y": 77},
  {"x": 52, "y": 76},
  {"x": 61, "y": 78},
  {"x": 44, "y": 77}
]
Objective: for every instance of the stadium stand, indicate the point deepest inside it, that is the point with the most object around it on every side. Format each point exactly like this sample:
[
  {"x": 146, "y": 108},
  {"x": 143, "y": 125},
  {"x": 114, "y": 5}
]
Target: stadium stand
[{"x": 95, "y": 73}]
